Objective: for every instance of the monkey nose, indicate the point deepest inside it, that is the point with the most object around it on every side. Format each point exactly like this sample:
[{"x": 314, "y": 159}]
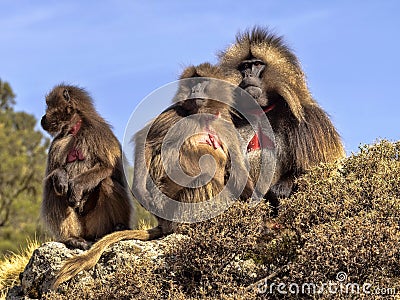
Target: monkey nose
[
  {"x": 254, "y": 91},
  {"x": 43, "y": 122}
]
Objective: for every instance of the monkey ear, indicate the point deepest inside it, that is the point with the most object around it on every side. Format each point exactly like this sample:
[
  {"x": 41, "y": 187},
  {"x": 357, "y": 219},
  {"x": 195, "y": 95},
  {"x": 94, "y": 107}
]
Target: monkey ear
[{"x": 66, "y": 95}]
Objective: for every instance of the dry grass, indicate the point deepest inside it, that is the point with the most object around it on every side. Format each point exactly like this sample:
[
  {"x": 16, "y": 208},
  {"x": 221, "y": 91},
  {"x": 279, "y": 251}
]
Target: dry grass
[
  {"x": 13, "y": 264},
  {"x": 144, "y": 224}
]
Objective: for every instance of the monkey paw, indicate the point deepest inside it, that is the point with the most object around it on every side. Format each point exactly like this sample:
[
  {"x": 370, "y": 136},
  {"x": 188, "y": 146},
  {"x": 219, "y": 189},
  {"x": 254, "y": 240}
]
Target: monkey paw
[
  {"x": 75, "y": 195},
  {"x": 79, "y": 243},
  {"x": 60, "y": 182}
]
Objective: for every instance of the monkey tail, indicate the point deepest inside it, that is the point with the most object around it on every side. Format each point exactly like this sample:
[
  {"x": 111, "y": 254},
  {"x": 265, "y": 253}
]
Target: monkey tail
[{"x": 88, "y": 259}]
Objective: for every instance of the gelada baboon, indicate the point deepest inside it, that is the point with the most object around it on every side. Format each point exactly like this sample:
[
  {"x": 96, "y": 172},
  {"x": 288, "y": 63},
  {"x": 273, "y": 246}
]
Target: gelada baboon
[
  {"x": 215, "y": 136},
  {"x": 85, "y": 192},
  {"x": 208, "y": 135},
  {"x": 304, "y": 134}
]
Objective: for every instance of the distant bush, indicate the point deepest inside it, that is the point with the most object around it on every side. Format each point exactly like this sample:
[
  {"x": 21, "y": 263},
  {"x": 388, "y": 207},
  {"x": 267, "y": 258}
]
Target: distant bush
[
  {"x": 23, "y": 151},
  {"x": 340, "y": 229}
]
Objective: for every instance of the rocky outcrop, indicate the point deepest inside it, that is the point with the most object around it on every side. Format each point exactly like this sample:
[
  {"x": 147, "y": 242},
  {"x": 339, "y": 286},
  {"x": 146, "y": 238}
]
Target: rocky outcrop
[{"x": 47, "y": 260}]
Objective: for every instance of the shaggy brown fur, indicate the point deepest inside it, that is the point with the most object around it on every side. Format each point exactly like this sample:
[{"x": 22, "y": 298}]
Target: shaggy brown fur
[
  {"x": 149, "y": 165},
  {"x": 85, "y": 191},
  {"x": 304, "y": 135}
]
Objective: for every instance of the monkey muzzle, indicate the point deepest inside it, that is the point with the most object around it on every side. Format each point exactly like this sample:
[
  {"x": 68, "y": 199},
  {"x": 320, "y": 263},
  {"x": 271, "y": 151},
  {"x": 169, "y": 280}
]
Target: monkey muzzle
[
  {"x": 257, "y": 94},
  {"x": 252, "y": 88},
  {"x": 210, "y": 139},
  {"x": 209, "y": 136},
  {"x": 254, "y": 91},
  {"x": 253, "y": 85},
  {"x": 43, "y": 123}
]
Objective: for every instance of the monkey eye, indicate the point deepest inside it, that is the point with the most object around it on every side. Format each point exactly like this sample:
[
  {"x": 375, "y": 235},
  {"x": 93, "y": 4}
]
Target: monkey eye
[
  {"x": 244, "y": 66},
  {"x": 258, "y": 63},
  {"x": 49, "y": 101}
]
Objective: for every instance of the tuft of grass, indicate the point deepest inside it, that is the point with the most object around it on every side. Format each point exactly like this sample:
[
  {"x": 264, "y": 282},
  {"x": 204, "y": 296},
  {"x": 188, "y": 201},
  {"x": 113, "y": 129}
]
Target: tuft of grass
[
  {"x": 12, "y": 264},
  {"x": 145, "y": 224}
]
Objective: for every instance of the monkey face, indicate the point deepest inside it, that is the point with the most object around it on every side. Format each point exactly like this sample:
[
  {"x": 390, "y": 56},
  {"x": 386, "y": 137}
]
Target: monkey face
[
  {"x": 192, "y": 105},
  {"x": 252, "y": 71},
  {"x": 59, "y": 111}
]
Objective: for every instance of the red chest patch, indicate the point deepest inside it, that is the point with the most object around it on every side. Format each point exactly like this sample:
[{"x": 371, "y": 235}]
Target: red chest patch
[
  {"x": 75, "y": 154},
  {"x": 260, "y": 141}
]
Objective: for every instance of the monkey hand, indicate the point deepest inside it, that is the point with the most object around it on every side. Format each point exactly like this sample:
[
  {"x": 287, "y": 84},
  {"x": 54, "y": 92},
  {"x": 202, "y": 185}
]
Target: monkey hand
[
  {"x": 60, "y": 182},
  {"x": 75, "y": 195}
]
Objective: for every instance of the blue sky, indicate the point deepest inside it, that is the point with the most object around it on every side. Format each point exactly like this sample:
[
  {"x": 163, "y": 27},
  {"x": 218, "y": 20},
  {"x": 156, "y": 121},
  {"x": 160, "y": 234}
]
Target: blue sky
[{"x": 121, "y": 51}]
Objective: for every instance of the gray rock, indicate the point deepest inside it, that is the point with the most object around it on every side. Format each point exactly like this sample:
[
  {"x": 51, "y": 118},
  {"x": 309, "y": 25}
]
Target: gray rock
[{"x": 47, "y": 260}]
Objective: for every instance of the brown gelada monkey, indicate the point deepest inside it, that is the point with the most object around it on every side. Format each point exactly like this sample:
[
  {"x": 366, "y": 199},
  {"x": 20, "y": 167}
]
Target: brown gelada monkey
[
  {"x": 210, "y": 135},
  {"x": 304, "y": 134},
  {"x": 85, "y": 192}
]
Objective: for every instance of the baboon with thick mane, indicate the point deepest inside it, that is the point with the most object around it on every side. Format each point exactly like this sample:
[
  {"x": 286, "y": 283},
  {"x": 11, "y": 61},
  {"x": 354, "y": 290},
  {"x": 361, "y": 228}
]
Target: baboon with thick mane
[
  {"x": 208, "y": 135},
  {"x": 85, "y": 192},
  {"x": 272, "y": 75}
]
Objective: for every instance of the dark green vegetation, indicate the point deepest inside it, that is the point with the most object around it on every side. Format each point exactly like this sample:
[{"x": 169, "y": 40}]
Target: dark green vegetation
[
  {"x": 343, "y": 218},
  {"x": 22, "y": 163}
]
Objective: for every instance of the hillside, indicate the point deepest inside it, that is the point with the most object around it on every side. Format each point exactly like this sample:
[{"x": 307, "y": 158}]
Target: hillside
[{"x": 337, "y": 237}]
